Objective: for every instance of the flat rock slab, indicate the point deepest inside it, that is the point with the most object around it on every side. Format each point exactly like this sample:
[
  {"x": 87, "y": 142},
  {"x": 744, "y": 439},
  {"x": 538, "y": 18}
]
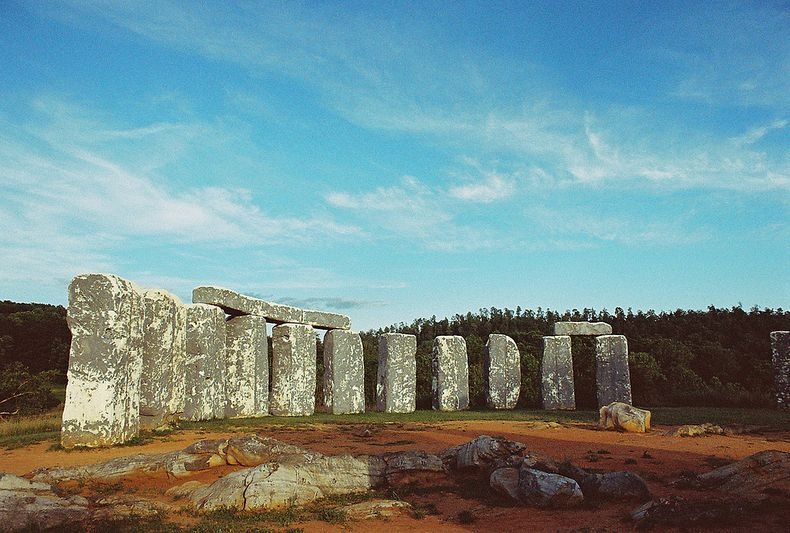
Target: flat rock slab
[
  {"x": 501, "y": 372},
  {"x": 247, "y": 367},
  {"x": 780, "y": 354},
  {"x": 396, "y": 386},
  {"x": 205, "y": 364},
  {"x": 344, "y": 372},
  {"x": 449, "y": 374},
  {"x": 611, "y": 370},
  {"x": 556, "y": 373},
  {"x": 582, "y": 328},
  {"x": 238, "y": 304},
  {"x": 102, "y": 404},
  {"x": 293, "y": 370}
]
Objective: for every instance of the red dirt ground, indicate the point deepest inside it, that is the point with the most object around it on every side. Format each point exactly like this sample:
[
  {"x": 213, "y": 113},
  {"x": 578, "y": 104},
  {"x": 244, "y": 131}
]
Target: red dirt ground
[{"x": 657, "y": 457}]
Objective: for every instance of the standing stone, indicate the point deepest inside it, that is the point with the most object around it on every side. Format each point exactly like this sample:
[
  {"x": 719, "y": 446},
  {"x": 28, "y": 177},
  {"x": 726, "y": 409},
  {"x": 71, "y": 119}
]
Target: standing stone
[
  {"x": 450, "y": 373},
  {"x": 582, "y": 328},
  {"x": 556, "y": 372},
  {"x": 344, "y": 372},
  {"x": 105, "y": 361},
  {"x": 293, "y": 370},
  {"x": 501, "y": 372},
  {"x": 780, "y": 353},
  {"x": 611, "y": 370},
  {"x": 164, "y": 356},
  {"x": 247, "y": 367},
  {"x": 204, "y": 372},
  {"x": 396, "y": 387}
]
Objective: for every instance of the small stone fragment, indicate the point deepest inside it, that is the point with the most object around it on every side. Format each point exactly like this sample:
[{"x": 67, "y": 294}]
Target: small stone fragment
[
  {"x": 205, "y": 365},
  {"x": 102, "y": 404},
  {"x": 396, "y": 385},
  {"x": 293, "y": 370},
  {"x": 344, "y": 372},
  {"x": 780, "y": 355},
  {"x": 247, "y": 367},
  {"x": 582, "y": 328},
  {"x": 556, "y": 370},
  {"x": 501, "y": 372},
  {"x": 618, "y": 415},
  {"x": 450, "y": 374},
  {"x": 164, "y": 356},
  {"x": 697, "y": 430},
  {"x": 611, "y": 370}
]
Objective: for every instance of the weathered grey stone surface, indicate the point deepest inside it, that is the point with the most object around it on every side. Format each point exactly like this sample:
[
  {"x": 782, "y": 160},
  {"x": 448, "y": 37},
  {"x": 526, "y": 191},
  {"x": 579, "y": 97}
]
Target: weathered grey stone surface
[
  {"x": 238, "y": 304},
  {"x": 293, "y": 370},
  {"x": 543, "y": 489},
  {"x": 105, "y": 361},
  {"x": 449, "y": 373},
  {"x": 164, "y": 357},
  {"x": 501, "y": 372},
  {"x": 396, "y": 387},
  {"x": 344, "y": 373},
  {"x": 611, "y": 370},
  {"x": 582, "y": 328},
  {"x": 556, "y": 373},
  {"x": 780, "y": 353},
  {"x": 204, "y": 372},
  {"x": 247, "y": 367}
]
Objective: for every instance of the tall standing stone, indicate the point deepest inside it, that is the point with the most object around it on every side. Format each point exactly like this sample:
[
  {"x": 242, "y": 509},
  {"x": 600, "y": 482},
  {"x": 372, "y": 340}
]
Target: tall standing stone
[
  {"x": 164, "y": 357},
  {"x": 344, "y": 372},
  {"x": 247, "y": 367},
  {"x": 396, "y": 387},
  {"x": 780, "y": 353},
  {"x": 501, "y": 372},
  {"x": 204, "y": 372},
  {"x": 556, "y": 373},
  {"x": 611, "y": 370},
  {"x": 105, "y": 361},
  {"x": 450, "y": 373},
  {"x": 293, "y": 370}
]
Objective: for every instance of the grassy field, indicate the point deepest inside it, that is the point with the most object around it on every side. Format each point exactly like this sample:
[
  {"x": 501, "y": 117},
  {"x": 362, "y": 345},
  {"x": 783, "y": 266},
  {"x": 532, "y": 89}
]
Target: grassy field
[{"x": 26, "y": 430}]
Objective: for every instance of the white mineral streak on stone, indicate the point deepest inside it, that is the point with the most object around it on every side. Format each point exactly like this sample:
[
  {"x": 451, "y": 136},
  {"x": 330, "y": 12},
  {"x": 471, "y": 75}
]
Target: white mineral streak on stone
[
  {"x": 344, "y": 374},
  {"x": 205, "y": 363},
  {"x": 780, "y": 354},
  {"x": 105, "y": 360},
  {"x": 238, "y": 304},
  {"x": 611, "y": 370},
  {"x": 501, "y": 372},
  {"x": 293, "y": 370},
  {"x": 556, "y": 371},
  {"x": 164, "y": 356},
  {"x": 396, "y": 386},
  {"x": 582, "y": 328},
  {"x": 449, "y": 373},
  {"x": 247, "y": 367}
]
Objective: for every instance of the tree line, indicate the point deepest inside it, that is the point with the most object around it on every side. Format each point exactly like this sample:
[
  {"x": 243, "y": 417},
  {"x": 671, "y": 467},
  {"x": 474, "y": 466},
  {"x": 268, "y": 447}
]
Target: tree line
[{"x": 717, "y": 357}]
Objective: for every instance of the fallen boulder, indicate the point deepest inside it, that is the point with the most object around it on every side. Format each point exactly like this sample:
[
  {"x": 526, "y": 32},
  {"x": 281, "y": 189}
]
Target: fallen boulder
[
  {"x": 481, "y": 453},
  {"x": 624, "y": 417},
  {"x": 33, "y": 506},
  {"x": 752, "y": 475},
  {"x": 542, "y": 489}
]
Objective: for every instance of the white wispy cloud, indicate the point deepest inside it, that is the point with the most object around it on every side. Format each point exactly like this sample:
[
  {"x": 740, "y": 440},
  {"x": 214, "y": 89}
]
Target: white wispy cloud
[{"x": 413, "y": 210}]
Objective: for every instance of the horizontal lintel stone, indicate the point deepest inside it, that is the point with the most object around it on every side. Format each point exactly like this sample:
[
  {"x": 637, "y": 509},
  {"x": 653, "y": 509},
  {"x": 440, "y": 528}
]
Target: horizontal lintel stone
[
  {"x": 238, "y": 304},
  {"x": 582, "y": 328}
]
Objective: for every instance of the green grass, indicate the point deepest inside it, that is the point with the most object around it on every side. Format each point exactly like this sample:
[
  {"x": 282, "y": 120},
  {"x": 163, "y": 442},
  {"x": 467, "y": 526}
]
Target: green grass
[
  {"x": 22, "y": 431},
  {"x": 724, "y": 416}
]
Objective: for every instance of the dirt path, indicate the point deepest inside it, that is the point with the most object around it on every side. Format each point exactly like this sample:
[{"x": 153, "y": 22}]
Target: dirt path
[{"x": 657, "y": 457}]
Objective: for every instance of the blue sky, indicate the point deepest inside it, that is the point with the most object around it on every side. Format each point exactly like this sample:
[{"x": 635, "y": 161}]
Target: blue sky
[{"x": 394, "y": 160}]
